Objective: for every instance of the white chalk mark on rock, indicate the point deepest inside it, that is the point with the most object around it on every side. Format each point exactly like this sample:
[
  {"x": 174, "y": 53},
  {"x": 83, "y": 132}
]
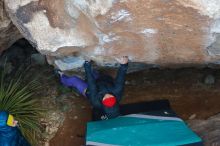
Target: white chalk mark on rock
[
  {"x": 121, "y": 15},
  {"x": 149, "y": 32}
]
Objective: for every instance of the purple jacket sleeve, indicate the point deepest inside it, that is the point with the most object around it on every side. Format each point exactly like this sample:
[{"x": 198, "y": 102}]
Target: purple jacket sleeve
[{"x": 75, "y": 82}]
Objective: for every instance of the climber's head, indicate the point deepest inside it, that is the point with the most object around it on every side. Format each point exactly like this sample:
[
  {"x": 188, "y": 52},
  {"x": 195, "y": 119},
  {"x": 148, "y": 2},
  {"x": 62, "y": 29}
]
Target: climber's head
[
  {"x": 7, "y": 119},
  {"x": 109, "y": 100}
]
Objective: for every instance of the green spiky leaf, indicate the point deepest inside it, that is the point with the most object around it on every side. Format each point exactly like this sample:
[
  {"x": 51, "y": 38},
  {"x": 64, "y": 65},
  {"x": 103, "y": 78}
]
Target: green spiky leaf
[{"x": 17, "y": 98}]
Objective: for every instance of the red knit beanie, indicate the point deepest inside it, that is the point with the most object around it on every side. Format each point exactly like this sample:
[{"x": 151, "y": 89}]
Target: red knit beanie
[{"x": 109, "y": 102}]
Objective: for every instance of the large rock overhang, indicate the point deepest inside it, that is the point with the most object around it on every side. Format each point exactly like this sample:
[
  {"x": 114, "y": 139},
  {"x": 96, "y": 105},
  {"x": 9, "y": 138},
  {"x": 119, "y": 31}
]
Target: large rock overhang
[{"x": 159, "y": 32}]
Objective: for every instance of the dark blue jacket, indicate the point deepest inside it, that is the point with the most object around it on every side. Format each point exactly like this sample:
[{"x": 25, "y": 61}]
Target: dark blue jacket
[
  {"x": 97, "y": 88},
  {"x": 10, "y": 136}
]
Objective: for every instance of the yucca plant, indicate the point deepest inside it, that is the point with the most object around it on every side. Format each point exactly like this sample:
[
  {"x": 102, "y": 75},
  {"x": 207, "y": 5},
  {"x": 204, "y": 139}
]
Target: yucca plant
[{"x": 17, "y": 98}]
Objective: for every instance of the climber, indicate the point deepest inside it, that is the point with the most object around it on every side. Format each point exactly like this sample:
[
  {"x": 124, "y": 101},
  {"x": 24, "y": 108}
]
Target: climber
[
  {"x": 9, "y": 132},
  {"x": 103, "y": 92}
]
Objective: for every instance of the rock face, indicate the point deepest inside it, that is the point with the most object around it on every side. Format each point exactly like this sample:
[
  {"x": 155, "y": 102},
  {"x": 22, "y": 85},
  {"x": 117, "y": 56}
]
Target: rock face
[
  {"x": 209, "y": 130},
  {"x": 9, "y": 33},
  {"x": 161, "y": 32}
]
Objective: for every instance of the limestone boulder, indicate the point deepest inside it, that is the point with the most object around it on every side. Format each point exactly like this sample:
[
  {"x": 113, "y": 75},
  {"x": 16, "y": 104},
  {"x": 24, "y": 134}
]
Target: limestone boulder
[
  {"x": 208, "y": 130},
  {"x": 159, "y": 32},
  {"x": 8, "y": 32}
]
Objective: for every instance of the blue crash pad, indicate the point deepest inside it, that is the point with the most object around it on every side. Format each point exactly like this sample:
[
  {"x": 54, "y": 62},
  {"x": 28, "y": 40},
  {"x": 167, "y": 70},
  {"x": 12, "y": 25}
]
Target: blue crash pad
[{"x": 140, "y": 130}]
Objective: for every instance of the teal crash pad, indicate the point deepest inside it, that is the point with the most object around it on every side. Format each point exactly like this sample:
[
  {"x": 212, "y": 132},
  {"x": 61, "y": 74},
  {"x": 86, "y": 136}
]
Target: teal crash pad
[{"x": 140, "y": 130}]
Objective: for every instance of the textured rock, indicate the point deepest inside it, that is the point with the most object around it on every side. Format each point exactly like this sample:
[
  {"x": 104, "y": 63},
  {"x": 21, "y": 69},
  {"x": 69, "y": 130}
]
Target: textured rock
[
  {"x": 19, "y": 55},
  {"x": 209, "y": 130},
  {"x": 53, "y": 121},
  {"x": 209, "y": 79},
  {"x": 38, "y": 59},
  {"x": 161, "y": 32},
  {"x": 9, "y": 33}
]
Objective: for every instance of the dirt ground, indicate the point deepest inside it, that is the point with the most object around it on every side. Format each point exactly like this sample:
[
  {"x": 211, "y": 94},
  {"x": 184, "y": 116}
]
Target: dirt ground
[{"x": 184, "y": 88}]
